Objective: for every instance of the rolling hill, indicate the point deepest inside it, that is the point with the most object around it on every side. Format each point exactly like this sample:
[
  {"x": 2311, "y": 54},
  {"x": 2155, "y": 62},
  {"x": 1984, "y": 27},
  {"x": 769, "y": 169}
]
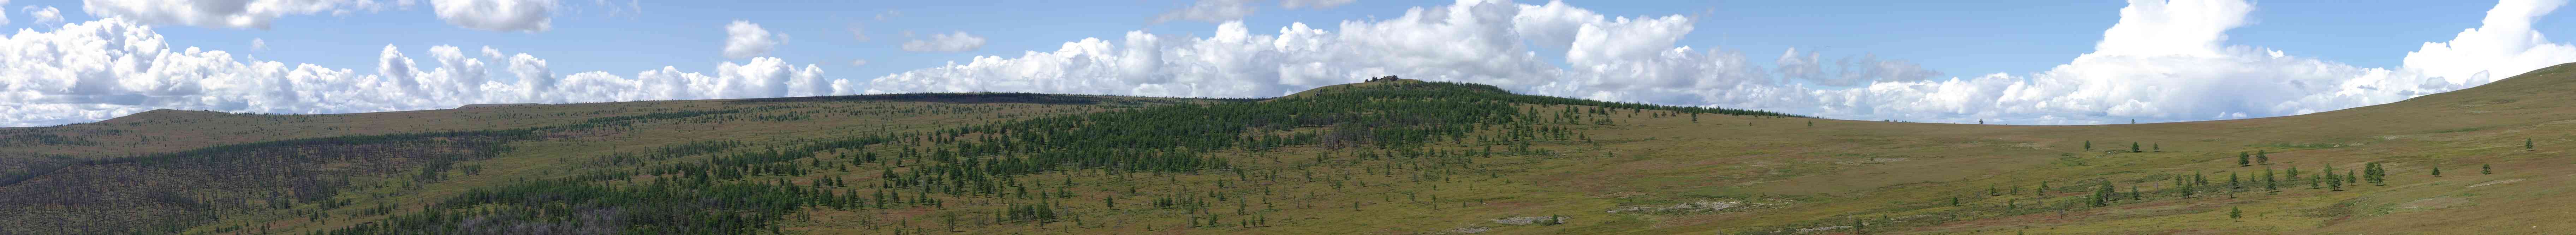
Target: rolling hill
[{"x": 1391, "y": 157}]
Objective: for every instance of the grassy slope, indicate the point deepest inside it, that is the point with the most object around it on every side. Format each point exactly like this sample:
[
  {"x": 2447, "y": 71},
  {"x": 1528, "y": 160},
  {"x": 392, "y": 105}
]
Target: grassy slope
[{"x": 1895, "y": 177}]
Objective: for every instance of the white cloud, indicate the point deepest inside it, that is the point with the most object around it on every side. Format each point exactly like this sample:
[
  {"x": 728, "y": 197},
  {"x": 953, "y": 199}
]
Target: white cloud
[
  {"x": 257, "y": 44},
  {"x": 952, "y": 42},
  {"x": 497, "y": 15},
  {"x": 744, "y": 39},
  {"x": 221, "y": 14},
  {"x": 859, "y": 62},
  {"x": 2163, "y": 61},
  {"x": 4, "y": 15},
  {"x": 101, "y": 69},
  {"x": 1209, "y": 10},
  {"x": 490, "y": 53},
  {"x": 1317, "y": 4},
  {"x": 47, "y": 16}
]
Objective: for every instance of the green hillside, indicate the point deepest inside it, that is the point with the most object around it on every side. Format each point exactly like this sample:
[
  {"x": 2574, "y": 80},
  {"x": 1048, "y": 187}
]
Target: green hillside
[{"x": 1389, "y": 157}]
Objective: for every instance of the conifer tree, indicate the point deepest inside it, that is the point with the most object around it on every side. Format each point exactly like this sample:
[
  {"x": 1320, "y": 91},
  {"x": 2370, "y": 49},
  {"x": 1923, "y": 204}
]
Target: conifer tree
[
  {"x": 2261, "y": 158},
  {"x": 2158, "y": 147},
  {"x": 2333, "y": 183},
  {"x": 2242, "y": 160},
  {"x": 2102, "y": 196},
  {"x": 2526, "y": 145},
  {"x": 2236, "y": 214},
  {"x": 2437, "y": 171},
  {"x": 2486, "y": 169},
  {"x": 2269, "y": 186},
  {"x": 2133, "y": 147},
  {"x": 2088, "y": 145},
  {"x": 2293, "y": 172}
]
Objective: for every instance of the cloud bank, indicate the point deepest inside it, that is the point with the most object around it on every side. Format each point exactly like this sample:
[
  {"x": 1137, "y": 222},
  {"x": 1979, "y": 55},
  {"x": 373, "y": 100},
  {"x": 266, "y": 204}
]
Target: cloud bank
[
  {"x": 101, "y": 69},
  {"x": 2163, "y": 61}
]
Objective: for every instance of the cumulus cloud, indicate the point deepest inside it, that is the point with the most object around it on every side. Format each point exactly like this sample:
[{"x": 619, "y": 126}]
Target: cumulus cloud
[
  {"x": 101, "y": 69},
  {"x": 951, "y": 42},
  {"x": 497, "y": 15},
  {"x": 47, "y": 16},
  {"x": 744, "y": 39},
  {"x": 1317, "y": 4},
  {"x": 1209, "y": 10},
  {"x": 2163, "y": 61},
  {"x": 222, "y": 14}
]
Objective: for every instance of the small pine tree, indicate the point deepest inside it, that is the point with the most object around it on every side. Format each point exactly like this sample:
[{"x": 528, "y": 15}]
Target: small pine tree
[
  {"x": 2133, "y": 147},
  {"x": 2236, "y": 214},
  {"x": 2486, "y": 169},
  {"x": 2261, "y": 158},
  {"x": 1811, "y": 123},
  {"x": 2333, "y": 182},
  {"x": 2437, "y": 171},
  {"x": 2088, "y": 145},
  {"x": 2158, "y": 147},
  {"x": 2243, "y": 160}
]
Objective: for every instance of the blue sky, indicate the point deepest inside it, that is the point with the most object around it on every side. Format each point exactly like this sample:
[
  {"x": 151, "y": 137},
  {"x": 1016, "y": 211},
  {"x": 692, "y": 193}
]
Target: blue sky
[{"x": 1735, "y": 54}]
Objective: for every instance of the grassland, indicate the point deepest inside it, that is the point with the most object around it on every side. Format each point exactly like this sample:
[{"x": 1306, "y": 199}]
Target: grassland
[{"x": 1404, "y": 157}]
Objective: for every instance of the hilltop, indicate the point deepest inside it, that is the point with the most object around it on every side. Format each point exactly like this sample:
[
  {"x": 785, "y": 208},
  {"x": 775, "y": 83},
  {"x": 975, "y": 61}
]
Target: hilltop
[{"x": 1394, "y": 156}]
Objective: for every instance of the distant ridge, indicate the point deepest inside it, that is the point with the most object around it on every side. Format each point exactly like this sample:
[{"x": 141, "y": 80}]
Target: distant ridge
[
  {"x": 495, "y": 105},
  {"x": 161, "y": 114}
]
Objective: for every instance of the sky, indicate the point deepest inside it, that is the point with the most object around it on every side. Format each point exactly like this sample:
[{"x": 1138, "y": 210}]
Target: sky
[{"x": 2002, "y": 62}]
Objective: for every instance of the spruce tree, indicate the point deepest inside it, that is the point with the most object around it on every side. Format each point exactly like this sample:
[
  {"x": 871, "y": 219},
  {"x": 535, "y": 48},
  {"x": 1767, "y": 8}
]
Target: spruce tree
[
  {"x": 2088, "y": 145},
  {"x": 2334, "y": 183},
  {"x": 2133, "y": 147},
  {"x": 2102, "y": 196},
  {"x": 2243, "y": 160},
  {"x": 2269, "y": 186},
  {"x": 2437, "y": 171},
  {"x": 2486, "y": 169},
  {"x": 2261, "y": 158},
  {"x": 2236, "y": 214}
]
